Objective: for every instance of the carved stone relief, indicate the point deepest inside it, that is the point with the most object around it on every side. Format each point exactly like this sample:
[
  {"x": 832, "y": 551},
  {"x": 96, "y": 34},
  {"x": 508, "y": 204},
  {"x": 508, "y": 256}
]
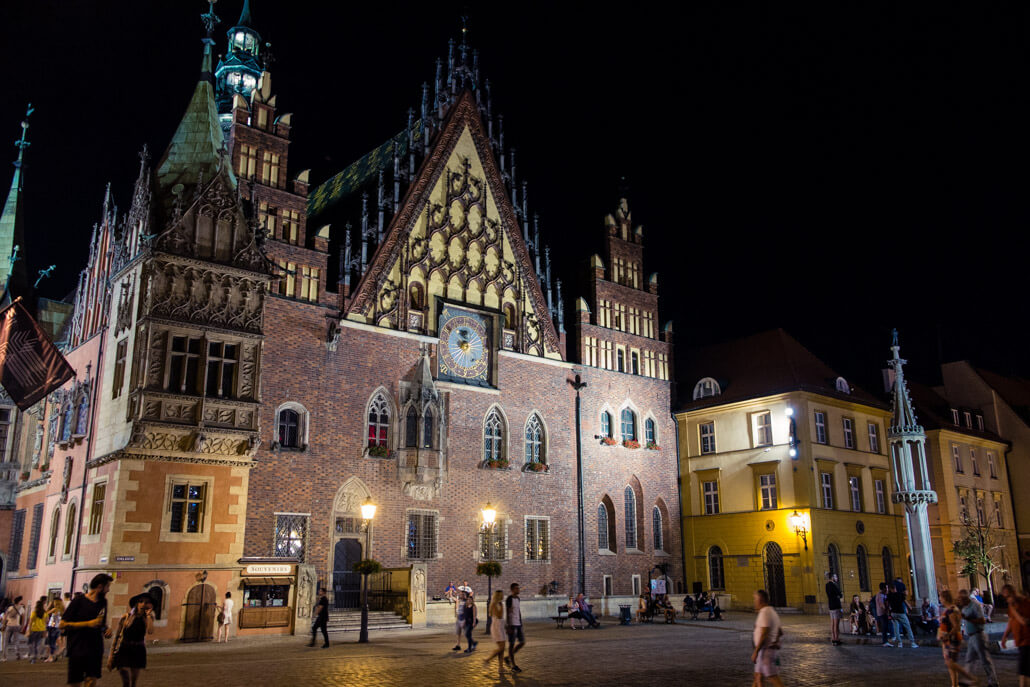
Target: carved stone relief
[{"x": 204, "y": 296}]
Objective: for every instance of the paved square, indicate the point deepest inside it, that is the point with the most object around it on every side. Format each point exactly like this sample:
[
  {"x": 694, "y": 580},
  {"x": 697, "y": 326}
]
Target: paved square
[{"x": 694, "y": 653}]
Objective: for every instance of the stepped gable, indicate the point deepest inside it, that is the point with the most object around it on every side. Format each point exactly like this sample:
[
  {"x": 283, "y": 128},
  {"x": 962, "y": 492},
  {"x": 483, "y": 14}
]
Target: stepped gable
[
  {"x": 763, "y": 364},
  {"x": 464, "y": 114}
]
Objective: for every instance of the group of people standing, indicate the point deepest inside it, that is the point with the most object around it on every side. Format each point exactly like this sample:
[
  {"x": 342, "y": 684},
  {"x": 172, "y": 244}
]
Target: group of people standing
[
  {"x": 39, "y": 626},
  {"x": 504, "y": 618}
]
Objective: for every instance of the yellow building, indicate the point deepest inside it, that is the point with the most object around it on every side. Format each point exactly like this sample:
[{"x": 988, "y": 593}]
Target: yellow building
[
  {"x": 771, "y": 431},
  {"x": 969, "y": 468}
]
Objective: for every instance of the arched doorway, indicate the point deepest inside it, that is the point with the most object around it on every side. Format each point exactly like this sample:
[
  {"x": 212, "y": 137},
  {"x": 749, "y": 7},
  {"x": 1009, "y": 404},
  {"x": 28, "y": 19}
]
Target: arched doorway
[
  {"x": 346, "y": 582},
  {"x": 775, "y": 583},
  {"x": 199, "y": 623}
]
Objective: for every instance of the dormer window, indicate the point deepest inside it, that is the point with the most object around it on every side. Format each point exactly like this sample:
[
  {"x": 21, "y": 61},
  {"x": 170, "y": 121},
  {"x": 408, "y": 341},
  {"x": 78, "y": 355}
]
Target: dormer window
[
  {"x": 706, "y": 387},
  {"x": 954, "y": 416},
  {"x": 843, "y": 386}
]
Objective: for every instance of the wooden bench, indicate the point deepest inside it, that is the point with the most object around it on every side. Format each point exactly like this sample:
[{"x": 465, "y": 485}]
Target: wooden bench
[{"x": 563, "y": 615}]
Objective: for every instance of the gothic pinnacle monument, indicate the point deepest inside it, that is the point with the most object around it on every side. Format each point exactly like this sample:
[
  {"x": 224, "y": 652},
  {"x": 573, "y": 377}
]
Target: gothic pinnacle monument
[{"x": 911, "y": 478}]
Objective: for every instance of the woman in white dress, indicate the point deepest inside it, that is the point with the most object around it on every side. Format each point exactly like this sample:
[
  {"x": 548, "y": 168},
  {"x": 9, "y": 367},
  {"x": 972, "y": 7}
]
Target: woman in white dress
[
  {"x": 226, "y": 618},
  {"x": 497, "y": 631}
]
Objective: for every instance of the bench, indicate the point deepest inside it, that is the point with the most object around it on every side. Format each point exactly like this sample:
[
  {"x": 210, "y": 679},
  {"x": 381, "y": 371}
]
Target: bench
[{"x": 563, "y": 615}]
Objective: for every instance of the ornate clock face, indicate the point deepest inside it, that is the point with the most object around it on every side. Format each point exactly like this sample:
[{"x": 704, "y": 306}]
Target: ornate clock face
[{"x": 464, "y": 346}]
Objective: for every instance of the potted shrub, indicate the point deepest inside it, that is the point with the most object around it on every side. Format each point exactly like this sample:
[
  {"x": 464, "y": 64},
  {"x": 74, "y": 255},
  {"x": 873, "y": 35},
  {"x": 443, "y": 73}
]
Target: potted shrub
[
  {"x": 369, "y": 566},
  {"x": 608, "y": 441},
  {"x": 631, "y": 443},
  {"x": 497, "y": 464},
  {"x": 377, "y": 451}
]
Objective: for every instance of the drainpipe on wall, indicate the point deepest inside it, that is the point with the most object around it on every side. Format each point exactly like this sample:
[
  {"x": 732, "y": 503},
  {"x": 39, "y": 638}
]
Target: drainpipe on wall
[
  {"x": 679, "y": 489},
  {"x": 89, "y": 452}
]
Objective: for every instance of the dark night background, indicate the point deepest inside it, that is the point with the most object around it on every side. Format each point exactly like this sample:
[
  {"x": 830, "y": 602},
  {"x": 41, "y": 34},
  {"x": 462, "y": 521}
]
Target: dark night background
[{"x": 834, "y": 171}]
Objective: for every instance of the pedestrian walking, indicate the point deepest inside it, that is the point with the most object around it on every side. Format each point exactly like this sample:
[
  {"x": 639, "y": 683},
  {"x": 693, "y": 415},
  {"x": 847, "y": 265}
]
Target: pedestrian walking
[
  {"x": 225, "y": 618},
  {"x": 949, "y": 634},
  {"x": 883, "y": 614},
  {"x": 11, "y": 624},
  {"x": 321, "y": 619},
  {"x": 766, "y": 638},
  {"x": 973, "y": 623},
  {"x": 129, "y": 649},
  {"x": 53, "y": 621},
  {"x": 459, "y": 618},
  {"x": 833, "y": 602},
  {"x": 471, "y": 620},
  {"x": 85, "y": 625},
  {"x": 514, "y": 627},
  {"x": 37, "y": 629},
  {"x": 497, "y": 633},
  {"x": 899, "y": 614},
  {"x": 1019, "y": 629}
]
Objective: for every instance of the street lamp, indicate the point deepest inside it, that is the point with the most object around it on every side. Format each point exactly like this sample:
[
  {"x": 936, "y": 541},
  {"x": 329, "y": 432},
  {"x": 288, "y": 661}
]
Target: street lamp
[
  {"x": 797, "y": 521},
  {"x": 489, "y": 521},
  {"x": 368, "y": 511}
]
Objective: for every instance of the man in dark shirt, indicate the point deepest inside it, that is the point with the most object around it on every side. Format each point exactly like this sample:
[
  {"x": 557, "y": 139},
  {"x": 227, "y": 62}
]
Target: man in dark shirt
[
  {"x": 321, "y": 619},
  {"x": 899, "y": 614},
  {"x": 85, "y": 624},
  {"x": 833, "y": 597}
]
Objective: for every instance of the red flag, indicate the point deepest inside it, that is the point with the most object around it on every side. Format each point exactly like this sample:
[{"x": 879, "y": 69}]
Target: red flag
[{"x": 30, "y": 365}]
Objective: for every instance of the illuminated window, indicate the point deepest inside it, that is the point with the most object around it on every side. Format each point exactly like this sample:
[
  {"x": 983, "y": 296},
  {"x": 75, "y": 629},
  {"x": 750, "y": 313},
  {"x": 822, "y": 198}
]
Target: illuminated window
[
  {"x": 308, "y": 284},
  {"x": 270, "y": 169},
  {"x": 705, "y": 388},
  {"x": 538, "y": 539},
  {"x": 493, "y": 436},
  {"x": 763, "y": 429},
  {"x": 289, "y": 535},
  {"x": 187, "y": 507},
  {"x": 826, "y": 480},
  {"x": 856, "y": 494},
  {"x": 767, "y": 490},
  {"x": 535, "y": 452},
  {"x": 378, "y": 421},
  {"x": 711, "y": 496},
  {"x": 291, "y": 226},
  {"x": 707, "y": 430}
]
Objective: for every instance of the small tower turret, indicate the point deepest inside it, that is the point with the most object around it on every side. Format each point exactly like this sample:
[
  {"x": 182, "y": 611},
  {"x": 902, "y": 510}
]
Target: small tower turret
[{"x": 240, "y": 70}]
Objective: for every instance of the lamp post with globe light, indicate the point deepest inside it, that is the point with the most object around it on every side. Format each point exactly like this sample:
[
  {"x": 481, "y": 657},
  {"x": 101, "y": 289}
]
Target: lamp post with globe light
[{"x": 368, "y": 512}]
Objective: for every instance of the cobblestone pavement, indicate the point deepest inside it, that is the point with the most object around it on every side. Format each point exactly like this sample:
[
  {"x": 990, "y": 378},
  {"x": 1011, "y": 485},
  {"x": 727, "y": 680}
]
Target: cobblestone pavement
[{"x": 698, "y": 653}]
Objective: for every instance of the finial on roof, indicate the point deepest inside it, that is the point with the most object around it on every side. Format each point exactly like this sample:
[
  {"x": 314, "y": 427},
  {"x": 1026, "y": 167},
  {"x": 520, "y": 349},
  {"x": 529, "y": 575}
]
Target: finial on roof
[
  {"x": 210, "y": 19},
  {"x": 22, "y": 143},
  {"x": 245, "y": 18}
]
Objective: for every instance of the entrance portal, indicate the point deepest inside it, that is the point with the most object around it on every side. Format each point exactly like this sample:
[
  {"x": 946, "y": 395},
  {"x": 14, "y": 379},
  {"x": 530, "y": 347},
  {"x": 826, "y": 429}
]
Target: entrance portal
[
  {"x": 200, "y": 614},
  {"x": 346, "y": 582},
  {"x": 774, "y": 581}
]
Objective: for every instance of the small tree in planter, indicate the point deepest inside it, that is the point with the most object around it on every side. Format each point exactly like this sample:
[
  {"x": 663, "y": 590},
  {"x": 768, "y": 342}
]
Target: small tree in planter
[
  {"x": 491, "y": 569},
  {"x": 369, "y": 566}
]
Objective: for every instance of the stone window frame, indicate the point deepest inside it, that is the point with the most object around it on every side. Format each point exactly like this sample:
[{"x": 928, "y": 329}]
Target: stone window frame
[
  {"x": 874, "y": 437},
  {"x": 204, "y": 535},
  {"x": 704, "y": 477},
  {"x": 303, "y": 426},
  {"x": 544, "y": 520},
  {"x": 856, "y": 474},
  {"x": 435, "y": 537},
  {"x": 539, "y": 441},
  {"x": 53, "y": 542},
  {"x": 848, "y": 428},
  {"x": 650, "y": 418},
  {"x": 758, "y": 427},
  {"x": 821, "y": 435},
  {"x": 716, "y": 581},
  {"x": 380, "y": 393},
  {"x": 89, "y": 536},
  {"x": 68, "y": 543},
  {"x": 711, "y": 437},
  {"x": 496, "y": 411},
  {"x": 499, "y": 537},
  {"x": 759, "y": 469}
]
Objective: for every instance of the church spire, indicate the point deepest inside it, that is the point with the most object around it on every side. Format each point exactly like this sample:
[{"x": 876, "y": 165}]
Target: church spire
[
  {"x": 904, "y": 418},
  {"x": 12, "y": 229},
  {"x": 245, "y": 19},
  {"x": 197, "y": 149}
]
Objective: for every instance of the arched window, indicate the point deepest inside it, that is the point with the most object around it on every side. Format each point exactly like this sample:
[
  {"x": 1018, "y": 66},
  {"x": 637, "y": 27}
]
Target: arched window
[
  {"x": 289, "y": 428},
  {"x": 656, "y": 525},
  {"x": 706, "y": 387},
  {"x": 602, "y": 528},
  {"x": 418, "y": 300},
  {"x": 606, "y": 423},
  {"x": 863, "y": 568},
  {"x": 158, "y": 595},
  {"x": 631, "y": 518},
  {"x": 378, "y": 421},
  {"x": 428, "y": 420},
  {"x": 843, "y": 386},
  {"x": 411, "y": 428},
  {"x": 69, "y": 530},
  {"x": 833, "y": 560},
  {"x": 493, "y": 436},
  {"x": 55, "y": 529},
  {"x": 715, "y": 570},
  {"x": 649, "y": 431},
  {"x": 535, "y": 440},
  {"x": 509, "y": 316},
  {"x": 888, "y": 565},
  {"x": 621, "y": 358},
  {"x": 629, "y": 425}
]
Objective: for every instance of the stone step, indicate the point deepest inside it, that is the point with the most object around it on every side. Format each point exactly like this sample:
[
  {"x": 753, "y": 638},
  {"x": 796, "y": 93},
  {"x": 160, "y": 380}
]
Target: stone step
[{"x": 350, "y": 621}]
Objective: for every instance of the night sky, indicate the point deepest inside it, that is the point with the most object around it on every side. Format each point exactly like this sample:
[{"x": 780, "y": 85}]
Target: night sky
[{"x": 834, "y": 171}]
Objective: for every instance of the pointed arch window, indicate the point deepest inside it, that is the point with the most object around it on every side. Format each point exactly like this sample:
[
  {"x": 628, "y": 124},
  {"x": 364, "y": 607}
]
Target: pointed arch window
[
  {"x": 629, "y": 425},
  {"x": 649, "y": 432},
  {"x": 606, "y": 424},
  {"x": 715, "y": 570},
  {"x": 428, "y": 420},
  {"x": 411, "y": 428},
  {"x": 656, "y": 525},
  {"x": 378, "y": 421},
  {"x": 535, "y": 448},
  {"x": 631, "y": 518},
  {"x": 55, "y": 530},
  {"x": 602, "y": 528},
  {"x": 493, "y": 436}
]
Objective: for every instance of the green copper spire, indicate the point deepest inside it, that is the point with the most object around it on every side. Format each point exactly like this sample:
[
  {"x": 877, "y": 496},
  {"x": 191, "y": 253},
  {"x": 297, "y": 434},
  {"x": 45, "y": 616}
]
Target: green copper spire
[
  {"x": 12, "y": 223},
  {"x": 245, "y": 18},
  {"x": 197, "y": 149}
]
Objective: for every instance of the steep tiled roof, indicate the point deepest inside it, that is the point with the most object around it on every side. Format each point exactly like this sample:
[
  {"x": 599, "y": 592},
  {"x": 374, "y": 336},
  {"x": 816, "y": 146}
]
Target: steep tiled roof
[
  {"x": 763, "y": 364},
  {"x": 933, "y": 411},
  {"x": 1014, "y": 390}
]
